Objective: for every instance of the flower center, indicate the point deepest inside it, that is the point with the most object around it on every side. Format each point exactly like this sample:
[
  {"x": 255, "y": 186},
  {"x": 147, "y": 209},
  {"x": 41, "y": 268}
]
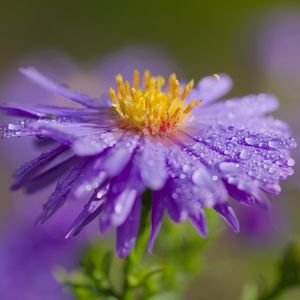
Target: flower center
[{"x": 150, "y": 107}]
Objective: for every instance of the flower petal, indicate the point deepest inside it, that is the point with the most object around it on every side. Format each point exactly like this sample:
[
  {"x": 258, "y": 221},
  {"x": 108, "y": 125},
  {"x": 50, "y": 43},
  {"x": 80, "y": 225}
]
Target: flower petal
[
  {"x": 152, "y": 165},
  {"x": 242, "y": 157},
  {"x": 40, "y": 111},
  {"x": 157, "y": 212},
  {"x": 61, "y": 90},
  {"x": 245, "y": 112},
  {"x": 211, "y": 88},
  {"x": 93, "y": 144},
  {"x": 228, "y": 214},
  {"x": 199, "y": 222},
  {"x": 128, "y": 231},
  {"x": 37, "y": 163},
  {"x": 26, "y": 171},
  {"x": 116, "y": 209},
  {"x": 250, "y": 195},
  {"x": 119, "y": 156},
  {"x": 63, "y": 187},
  {"x": 191, "y": 184},
  {"x": 90, "y": 212}
]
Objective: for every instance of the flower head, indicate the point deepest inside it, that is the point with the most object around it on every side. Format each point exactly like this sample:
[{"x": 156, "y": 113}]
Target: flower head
[{"x": 148, "y": 135}]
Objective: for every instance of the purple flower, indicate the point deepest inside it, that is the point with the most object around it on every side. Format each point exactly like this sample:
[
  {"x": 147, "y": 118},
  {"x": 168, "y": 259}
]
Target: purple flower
[
  {"x": 171, "y": 138},
  {"x": 25, "y": 249}
]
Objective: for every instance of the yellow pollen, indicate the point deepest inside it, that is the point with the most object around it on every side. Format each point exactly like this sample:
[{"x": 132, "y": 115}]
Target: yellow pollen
[{"x": 151, "y": 108}]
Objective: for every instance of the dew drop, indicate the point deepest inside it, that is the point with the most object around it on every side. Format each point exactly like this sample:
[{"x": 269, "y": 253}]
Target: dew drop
[
  {"x": 229, "y": 167},
  {"x": 215, "y": 178},
  {"x": 273, "y": 169},
  {"x": 118, "y": 208},
  {"x": 290, "y": 162},
  {"x": 275, "y": 144},
  {"x": 245, "y": 154},
  {"x": 200, "y": 176},
  {"x": 251, "y": 140}
]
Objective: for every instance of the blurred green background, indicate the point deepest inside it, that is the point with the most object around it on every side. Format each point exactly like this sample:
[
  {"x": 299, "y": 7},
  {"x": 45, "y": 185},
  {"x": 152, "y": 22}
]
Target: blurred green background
[{"x": 203, "y": 37}]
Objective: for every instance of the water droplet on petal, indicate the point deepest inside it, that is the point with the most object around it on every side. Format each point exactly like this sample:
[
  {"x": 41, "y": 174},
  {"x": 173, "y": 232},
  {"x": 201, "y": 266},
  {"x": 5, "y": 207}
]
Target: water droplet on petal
[
  {"x": 290, "y": 162},
  {"x": 251, "y": 140},
  {"x": 201, "y": 177},
  {"x": 275, "y": 143},
  {"x": 273, "y": 169},
  {"x": 245, "y": 154},
  {"x": 229, "y": 167}
]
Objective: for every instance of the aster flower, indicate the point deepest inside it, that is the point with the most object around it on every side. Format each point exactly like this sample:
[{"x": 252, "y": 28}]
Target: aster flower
[
  {"x": 171, "y": 138},
  {"x": 25, "y": 249}
]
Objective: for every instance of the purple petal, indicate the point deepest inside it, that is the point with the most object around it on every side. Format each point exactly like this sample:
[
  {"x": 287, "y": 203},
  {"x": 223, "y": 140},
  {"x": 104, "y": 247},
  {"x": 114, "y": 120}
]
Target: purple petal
[
  {"x": 152, "y": 165},
  {"x": 15, "y": 129},
  {"x": 175, "y": 212},
  {"x": 115, "y": 211},
  {"x": 37, "y": 163},
  {"x": 242, "y": 157},
  {"x": 199, "y": 222},
  {"x": 250, "y": 196},
  {"x": 245, "y": 112},
  {"x": 60, "y": 90},
  {"x": 128, "y": 231},
  {"x": 26, "y": 171},
  {"x": 211, "y": 88},
  {"x": 64, "y": 131},
  {"x": 157, "y": 212},
  {"x": 92, "y": 179},
  {"x": 63, "y": 187},
  {"x": 39, "y": 111},
  {"x": 119, "y": 156},
  {"x": 38, "y": 180},
  {"x": 228, "y": 214},
  {"x": 191, "y": 184},
  {"x": 93, "y": 144},
  {"x": 90, "y": 212}
]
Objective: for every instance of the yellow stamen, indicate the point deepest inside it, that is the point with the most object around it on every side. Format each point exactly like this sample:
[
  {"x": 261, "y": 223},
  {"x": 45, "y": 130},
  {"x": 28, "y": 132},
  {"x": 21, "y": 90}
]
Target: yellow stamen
[
  {"x": 136, "y": 79},
  {"x": 151, "y": 109}
]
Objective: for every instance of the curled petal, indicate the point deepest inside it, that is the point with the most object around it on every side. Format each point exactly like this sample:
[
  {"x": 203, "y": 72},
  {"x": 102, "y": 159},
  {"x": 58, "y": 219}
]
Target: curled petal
[
  {"x": 199, "y": 222},
  {"x": 39, "y": 111},
  {"x": 228, "y": 214},
  {"x": 249, "y": 195},
  {"x": 60, "y": 90}
]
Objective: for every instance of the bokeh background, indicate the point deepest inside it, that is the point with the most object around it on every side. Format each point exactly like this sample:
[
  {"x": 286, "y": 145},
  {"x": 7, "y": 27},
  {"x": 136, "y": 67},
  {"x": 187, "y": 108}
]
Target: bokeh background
[{"x": 257, "y": 42}]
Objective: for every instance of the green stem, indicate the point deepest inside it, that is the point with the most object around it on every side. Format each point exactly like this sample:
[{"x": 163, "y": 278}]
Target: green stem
[
  {"x": 128, "y": 291},
  {"x": 133, "y": 262},
  {"x": 273, "y": 294}
]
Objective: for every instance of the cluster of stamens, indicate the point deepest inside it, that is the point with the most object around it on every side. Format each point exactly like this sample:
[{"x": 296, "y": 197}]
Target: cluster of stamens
[{"x": 150, "y": 107}]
